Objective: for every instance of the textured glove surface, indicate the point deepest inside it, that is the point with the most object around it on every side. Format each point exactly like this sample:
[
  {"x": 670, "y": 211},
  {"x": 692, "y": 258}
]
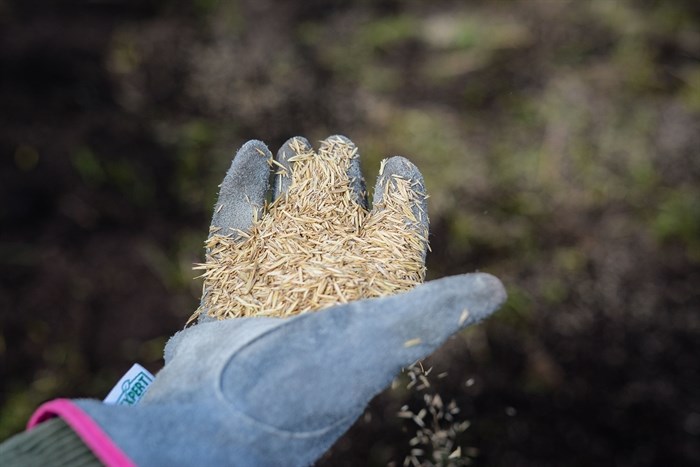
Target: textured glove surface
[{"x": 266, "y": 391}]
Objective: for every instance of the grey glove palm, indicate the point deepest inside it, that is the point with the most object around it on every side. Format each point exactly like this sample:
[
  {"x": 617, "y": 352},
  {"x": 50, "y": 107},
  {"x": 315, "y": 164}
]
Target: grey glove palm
[{"x": 272, "y": 391}]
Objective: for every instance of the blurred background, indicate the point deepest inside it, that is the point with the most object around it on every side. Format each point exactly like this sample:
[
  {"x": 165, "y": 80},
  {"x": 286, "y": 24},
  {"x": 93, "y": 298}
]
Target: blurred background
[{"x": 560, "y": 145}]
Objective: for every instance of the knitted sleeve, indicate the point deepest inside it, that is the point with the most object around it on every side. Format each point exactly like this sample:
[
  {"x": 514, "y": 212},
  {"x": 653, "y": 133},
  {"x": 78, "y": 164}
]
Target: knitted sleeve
[{"x": 51, "y": 443}]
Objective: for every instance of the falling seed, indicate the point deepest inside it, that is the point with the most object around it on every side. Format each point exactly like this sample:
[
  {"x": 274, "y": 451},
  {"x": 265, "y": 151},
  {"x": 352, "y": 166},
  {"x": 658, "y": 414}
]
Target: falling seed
[
  {"x": 424, "y": 382},
  {"x": 456, "y": 454}
]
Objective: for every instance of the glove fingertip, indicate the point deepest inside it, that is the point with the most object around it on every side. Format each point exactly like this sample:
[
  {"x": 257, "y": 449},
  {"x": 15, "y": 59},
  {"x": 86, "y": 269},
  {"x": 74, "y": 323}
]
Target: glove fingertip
[
  {"x": 283, "y": 166},
  {"x": 401, "y": 167},
  {"x": 243, "y": 190},
  {"x": 400, "y": 189},
  {"x": 488, "y": 292},
  {"x": 354, "y": 171}
]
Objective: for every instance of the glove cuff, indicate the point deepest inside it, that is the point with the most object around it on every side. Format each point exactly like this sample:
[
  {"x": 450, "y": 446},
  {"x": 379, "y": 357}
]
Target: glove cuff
[{"x": 85, "y": 427}]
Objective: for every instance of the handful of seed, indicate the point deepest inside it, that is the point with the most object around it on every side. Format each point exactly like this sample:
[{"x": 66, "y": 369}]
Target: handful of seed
[{"x": 315, "y": 246}]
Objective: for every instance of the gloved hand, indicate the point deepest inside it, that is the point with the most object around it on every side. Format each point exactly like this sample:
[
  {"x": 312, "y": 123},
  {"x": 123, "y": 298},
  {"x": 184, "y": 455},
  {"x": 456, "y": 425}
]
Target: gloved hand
[{"x": 274, "y": 391}]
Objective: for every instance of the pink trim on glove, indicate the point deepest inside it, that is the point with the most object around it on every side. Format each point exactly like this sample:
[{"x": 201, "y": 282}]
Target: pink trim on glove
[{"x": 89, "y": 431}]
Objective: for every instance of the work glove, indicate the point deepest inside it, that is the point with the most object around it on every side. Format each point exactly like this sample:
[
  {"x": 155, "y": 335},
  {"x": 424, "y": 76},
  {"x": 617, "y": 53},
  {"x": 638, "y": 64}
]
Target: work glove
[{"x": 279, "y": 391}]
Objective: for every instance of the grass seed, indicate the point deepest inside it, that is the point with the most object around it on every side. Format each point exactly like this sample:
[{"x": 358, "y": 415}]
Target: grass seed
[{"x": 315, "y": 246}]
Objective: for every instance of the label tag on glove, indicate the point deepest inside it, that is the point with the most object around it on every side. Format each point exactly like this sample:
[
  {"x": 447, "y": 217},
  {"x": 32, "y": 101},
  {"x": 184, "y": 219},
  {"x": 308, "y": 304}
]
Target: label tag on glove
[{"x": 131, "y": 387}]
